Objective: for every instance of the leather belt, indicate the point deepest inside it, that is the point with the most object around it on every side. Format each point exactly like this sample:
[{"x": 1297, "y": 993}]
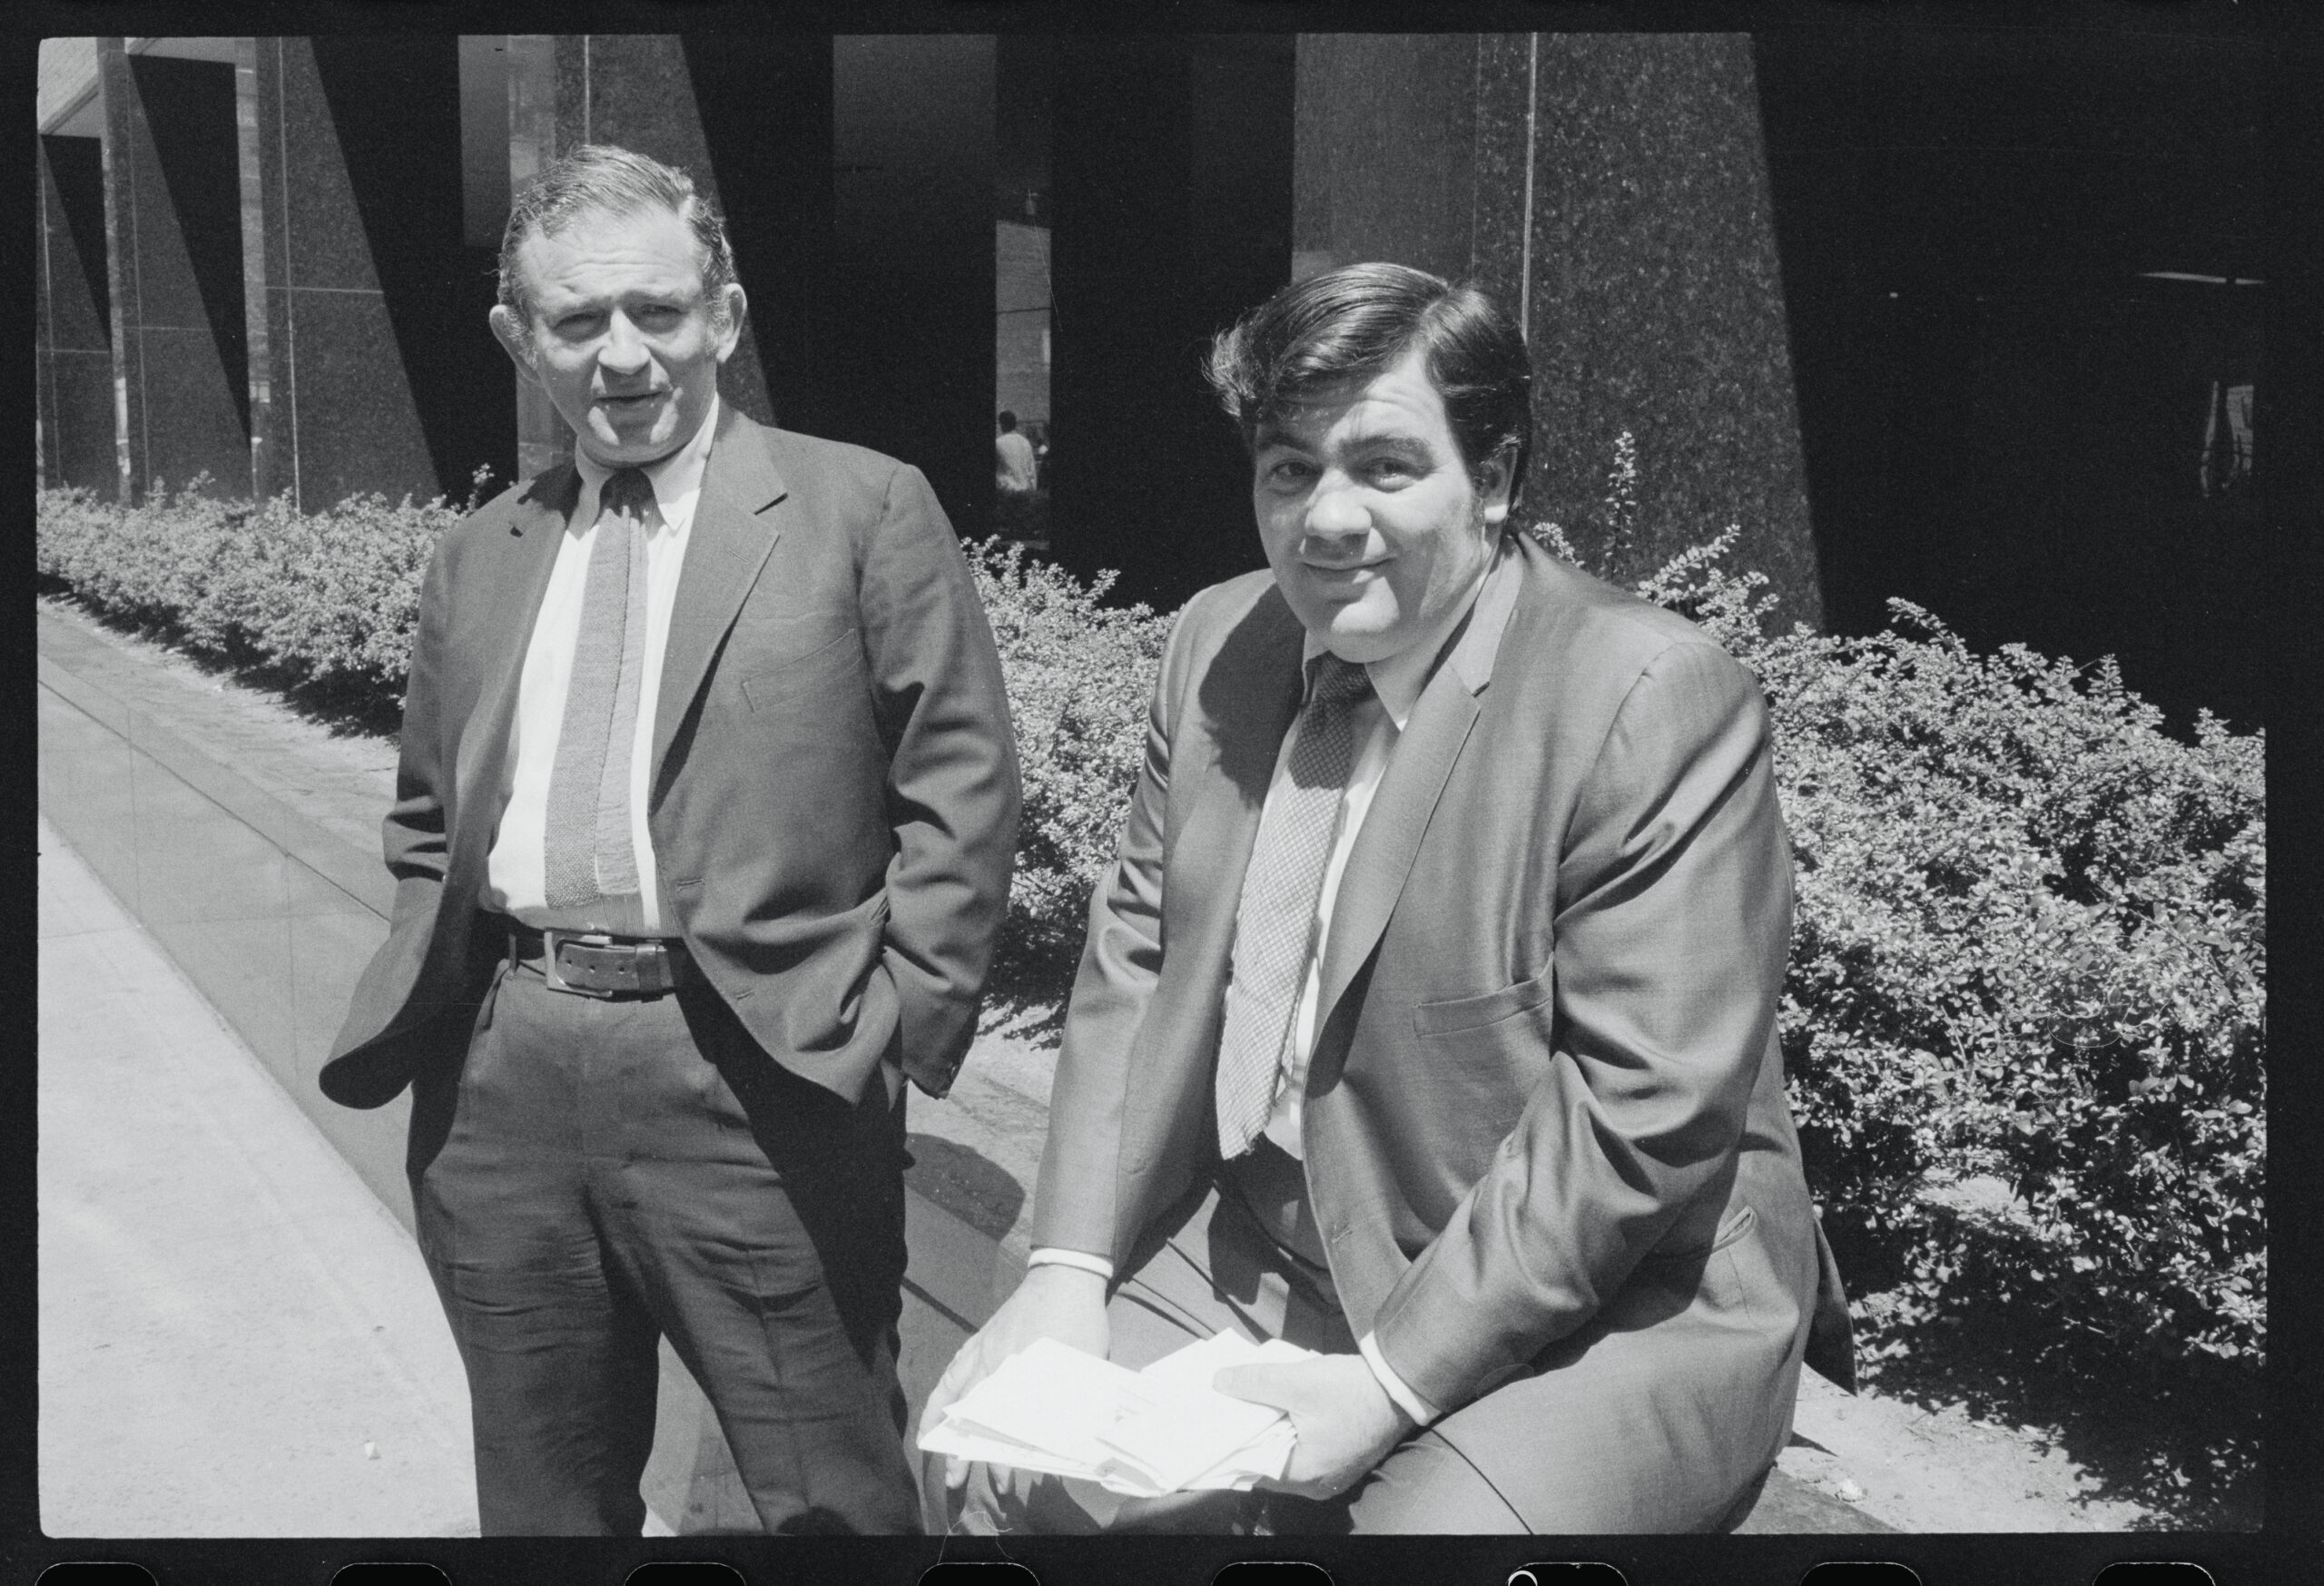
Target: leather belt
[{"x": 596, "y": 963}]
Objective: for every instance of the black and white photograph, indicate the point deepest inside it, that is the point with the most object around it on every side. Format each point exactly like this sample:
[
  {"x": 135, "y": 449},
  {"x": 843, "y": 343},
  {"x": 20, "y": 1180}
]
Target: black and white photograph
[{"x": 1092, "y": 782}]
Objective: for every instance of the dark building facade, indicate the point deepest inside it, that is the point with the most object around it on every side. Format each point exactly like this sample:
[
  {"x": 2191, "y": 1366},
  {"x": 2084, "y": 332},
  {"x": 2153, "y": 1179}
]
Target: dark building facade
[
  {"x": 1966, "y": 317},
  {"x": 2024, "y": 275}
]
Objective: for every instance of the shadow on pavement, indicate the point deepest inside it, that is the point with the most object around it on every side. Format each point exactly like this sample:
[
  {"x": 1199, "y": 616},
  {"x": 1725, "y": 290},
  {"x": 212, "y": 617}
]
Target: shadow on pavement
[{"x": 965, "y": 1182}]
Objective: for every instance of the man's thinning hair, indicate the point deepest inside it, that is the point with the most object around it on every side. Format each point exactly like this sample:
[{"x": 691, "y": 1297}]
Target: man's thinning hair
[
  {"x": 1354, "y": 322},
  {"x": 603, "y": 177}
]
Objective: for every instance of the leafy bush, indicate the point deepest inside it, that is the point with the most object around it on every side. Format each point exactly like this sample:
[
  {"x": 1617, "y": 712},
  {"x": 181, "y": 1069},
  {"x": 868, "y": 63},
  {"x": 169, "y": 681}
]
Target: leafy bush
[
  {"x": 330, "y": 596},
  {"x": 1078, "y": 674},
  {"x": 2024, "y": 1023},
  {"x": 2031, "y": 947}
]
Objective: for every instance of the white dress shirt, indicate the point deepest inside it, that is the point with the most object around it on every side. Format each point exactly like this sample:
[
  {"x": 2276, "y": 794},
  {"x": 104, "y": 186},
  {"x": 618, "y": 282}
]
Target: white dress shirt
[
  {"x": 515, "y": 873},
  {"x": 1378, "y": 726},
  {"x": 1013, "y": 463}
]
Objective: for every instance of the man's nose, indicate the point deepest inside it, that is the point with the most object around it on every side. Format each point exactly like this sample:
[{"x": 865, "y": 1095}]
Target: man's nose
[
  {"x": 1334, "y": 510},
  {"x": 624, "y": 351}
]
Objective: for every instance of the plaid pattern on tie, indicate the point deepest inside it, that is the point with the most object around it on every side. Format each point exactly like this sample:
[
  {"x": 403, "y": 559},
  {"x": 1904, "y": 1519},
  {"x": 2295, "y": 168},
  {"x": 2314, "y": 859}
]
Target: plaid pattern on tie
[
  {"x": 1274, "y": 923},
  {"x": 589, "y": 852}
]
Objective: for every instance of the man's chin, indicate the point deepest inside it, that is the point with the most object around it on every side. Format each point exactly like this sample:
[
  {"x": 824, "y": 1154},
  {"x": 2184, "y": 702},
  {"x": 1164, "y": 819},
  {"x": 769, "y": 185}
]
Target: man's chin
[
  {"x": 1354, "y": 632},
  {"x": 618, "y": 449}
]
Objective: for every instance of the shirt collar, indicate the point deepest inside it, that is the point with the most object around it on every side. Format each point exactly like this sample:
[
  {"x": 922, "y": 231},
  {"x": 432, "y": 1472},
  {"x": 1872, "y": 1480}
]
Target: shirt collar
[
  {"x": 677, "y": 478},
  {"x": 1398, "y": 679}
]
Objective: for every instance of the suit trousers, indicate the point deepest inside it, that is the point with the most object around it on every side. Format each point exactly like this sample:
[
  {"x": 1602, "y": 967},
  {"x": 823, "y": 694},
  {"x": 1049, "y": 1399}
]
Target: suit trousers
[
  {"x": 1243, "y": 1253},
  {"x": 598, "y": 1174}
]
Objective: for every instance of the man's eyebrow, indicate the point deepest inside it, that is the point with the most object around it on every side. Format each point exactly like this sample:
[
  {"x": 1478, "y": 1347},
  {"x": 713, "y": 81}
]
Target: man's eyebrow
[{"x": 1403, "y": 438}]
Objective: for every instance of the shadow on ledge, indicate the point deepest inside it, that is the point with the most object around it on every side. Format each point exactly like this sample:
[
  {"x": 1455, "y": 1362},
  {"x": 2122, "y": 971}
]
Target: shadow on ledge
[{"x": 970, "y": 1185}]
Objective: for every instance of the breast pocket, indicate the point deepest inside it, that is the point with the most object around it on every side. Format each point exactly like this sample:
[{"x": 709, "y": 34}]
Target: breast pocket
[
  {"x": 1485, "y": 1054},
  {"x": 776, "y": 680},
  {"x": 1463, "y": 1013}
]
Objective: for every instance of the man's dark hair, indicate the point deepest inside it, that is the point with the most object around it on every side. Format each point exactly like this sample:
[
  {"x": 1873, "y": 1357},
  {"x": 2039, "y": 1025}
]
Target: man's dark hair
[
  {"x": 617, "y": 180},
  {"x": 1008, "y": 419},
  {"x": 1353, "y": 323}
]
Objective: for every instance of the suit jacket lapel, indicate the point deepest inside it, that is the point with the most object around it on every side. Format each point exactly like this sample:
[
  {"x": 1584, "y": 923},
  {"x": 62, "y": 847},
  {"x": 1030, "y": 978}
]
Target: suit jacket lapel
[
  {"x": 1246, "y": 700},
  {"x": 537, "y": 525},
  {"x": 1432, "y": 741},
  {"x": 725, "y": 548}
]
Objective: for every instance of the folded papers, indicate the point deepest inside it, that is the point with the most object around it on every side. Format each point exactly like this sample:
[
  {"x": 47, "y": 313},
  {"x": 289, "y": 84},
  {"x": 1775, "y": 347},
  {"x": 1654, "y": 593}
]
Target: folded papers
[{"x": 1051, "y": 1408}]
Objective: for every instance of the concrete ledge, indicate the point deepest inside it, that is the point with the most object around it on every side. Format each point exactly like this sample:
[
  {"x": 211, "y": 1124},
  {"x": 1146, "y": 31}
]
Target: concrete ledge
[
  {"x": 1790, "y": 1506},
  {"x": 360, "y": 875}
]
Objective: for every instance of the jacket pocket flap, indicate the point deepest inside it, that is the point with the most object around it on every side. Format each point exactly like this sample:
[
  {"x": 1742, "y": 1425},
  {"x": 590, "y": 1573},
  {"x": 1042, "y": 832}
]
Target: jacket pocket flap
[
  {"x": 789, "y": 674},
  {"x": 1737, "y": 1225},
  {"x": 1475, "y": 1012}
]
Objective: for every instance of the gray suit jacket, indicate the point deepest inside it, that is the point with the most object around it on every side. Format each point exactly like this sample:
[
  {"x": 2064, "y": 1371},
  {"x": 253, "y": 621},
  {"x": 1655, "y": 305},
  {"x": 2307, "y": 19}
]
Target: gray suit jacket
[
  {"x": 1546, "y": 1103},
  {"x": 834, "y": 788}
]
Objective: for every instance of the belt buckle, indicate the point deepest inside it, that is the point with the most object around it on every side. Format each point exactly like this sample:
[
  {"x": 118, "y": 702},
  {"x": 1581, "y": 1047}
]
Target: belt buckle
[{"x": 552, "y": 939}]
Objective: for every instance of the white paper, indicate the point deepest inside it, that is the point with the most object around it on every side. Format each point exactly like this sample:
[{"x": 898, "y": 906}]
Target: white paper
[{"x": 1057, "y": 1410}]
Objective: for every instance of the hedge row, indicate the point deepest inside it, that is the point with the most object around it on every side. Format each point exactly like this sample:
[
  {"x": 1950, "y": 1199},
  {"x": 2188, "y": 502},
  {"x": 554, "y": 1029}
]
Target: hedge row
[
  {"x": 330, "y": 596},
  {"x": 2026, "y": 1018},
  {"x": 1078, "y": 674}
]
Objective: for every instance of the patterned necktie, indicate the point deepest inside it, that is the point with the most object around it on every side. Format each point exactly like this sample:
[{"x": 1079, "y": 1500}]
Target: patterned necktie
[
  {"x": 1274, "y": 923},
  {"x": 589, "y": 852}
]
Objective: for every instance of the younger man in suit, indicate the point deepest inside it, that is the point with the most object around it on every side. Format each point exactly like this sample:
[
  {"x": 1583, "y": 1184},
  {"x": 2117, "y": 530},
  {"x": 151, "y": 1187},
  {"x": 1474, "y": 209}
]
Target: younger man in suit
[
  {"x": 1428, "y": 1014},
  {"x": 703, "y": 823}
]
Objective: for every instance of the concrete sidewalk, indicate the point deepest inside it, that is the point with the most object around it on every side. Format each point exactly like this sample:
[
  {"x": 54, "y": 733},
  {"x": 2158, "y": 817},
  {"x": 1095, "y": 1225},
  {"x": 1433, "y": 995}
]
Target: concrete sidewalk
[{"x": 236, "y": 1337}]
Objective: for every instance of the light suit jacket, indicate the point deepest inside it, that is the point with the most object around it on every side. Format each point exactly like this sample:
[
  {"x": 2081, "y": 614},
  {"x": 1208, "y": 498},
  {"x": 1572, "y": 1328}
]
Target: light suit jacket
[
  {"x": 834, "y": 788},
  {"x": 1546, "y": 1087}
]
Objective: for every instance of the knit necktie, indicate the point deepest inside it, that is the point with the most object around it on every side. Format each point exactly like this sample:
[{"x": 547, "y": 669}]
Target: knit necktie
[
  {"x": 589, "y": 852},
  {"x": 1274, "y": 923}
]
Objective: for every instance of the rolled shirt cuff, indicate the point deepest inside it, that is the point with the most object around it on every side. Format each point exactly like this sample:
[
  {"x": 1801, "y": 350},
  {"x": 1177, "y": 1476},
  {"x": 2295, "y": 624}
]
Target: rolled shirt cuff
[
  {"x": 1051, "y": 1255},
  {"x": 1411, "y": 1404}
]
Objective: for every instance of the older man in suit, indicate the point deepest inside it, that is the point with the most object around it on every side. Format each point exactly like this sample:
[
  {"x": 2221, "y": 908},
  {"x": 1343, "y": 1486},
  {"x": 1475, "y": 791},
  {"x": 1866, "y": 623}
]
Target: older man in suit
[
  {"x": 703, "y": 823},
  {"x": 1428, "y": 1014}
]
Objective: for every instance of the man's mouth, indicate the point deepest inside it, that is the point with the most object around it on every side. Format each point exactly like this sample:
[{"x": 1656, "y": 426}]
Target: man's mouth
[{"x": 631, "y": 401}]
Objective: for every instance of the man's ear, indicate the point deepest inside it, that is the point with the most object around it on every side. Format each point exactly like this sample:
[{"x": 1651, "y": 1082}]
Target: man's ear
[
  {"x": 1497, "y": 481},
  {"x": 514, "y": 337},
  {"x": 735, "y": 304}
]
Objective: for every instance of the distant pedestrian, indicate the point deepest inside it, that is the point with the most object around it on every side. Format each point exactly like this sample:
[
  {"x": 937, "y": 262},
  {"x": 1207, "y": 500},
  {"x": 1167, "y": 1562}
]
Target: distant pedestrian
[
  {"x": 1013, "y": 457},
  {"x": 1015, "y": 480}
]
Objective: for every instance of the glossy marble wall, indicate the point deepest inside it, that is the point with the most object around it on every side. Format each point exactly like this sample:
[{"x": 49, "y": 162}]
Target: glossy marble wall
[
  {"x": 378, "y": 370},
  {"x": 73, "y": 332},
  {"x": 171, "y": 188}
]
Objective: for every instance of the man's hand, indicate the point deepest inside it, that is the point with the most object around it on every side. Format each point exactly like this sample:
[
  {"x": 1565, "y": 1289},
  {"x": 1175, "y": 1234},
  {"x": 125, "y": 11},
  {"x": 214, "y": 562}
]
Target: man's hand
[
  {"x": 1063, "y": 1302},
  {"x": 1345, "y": 1420}
]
